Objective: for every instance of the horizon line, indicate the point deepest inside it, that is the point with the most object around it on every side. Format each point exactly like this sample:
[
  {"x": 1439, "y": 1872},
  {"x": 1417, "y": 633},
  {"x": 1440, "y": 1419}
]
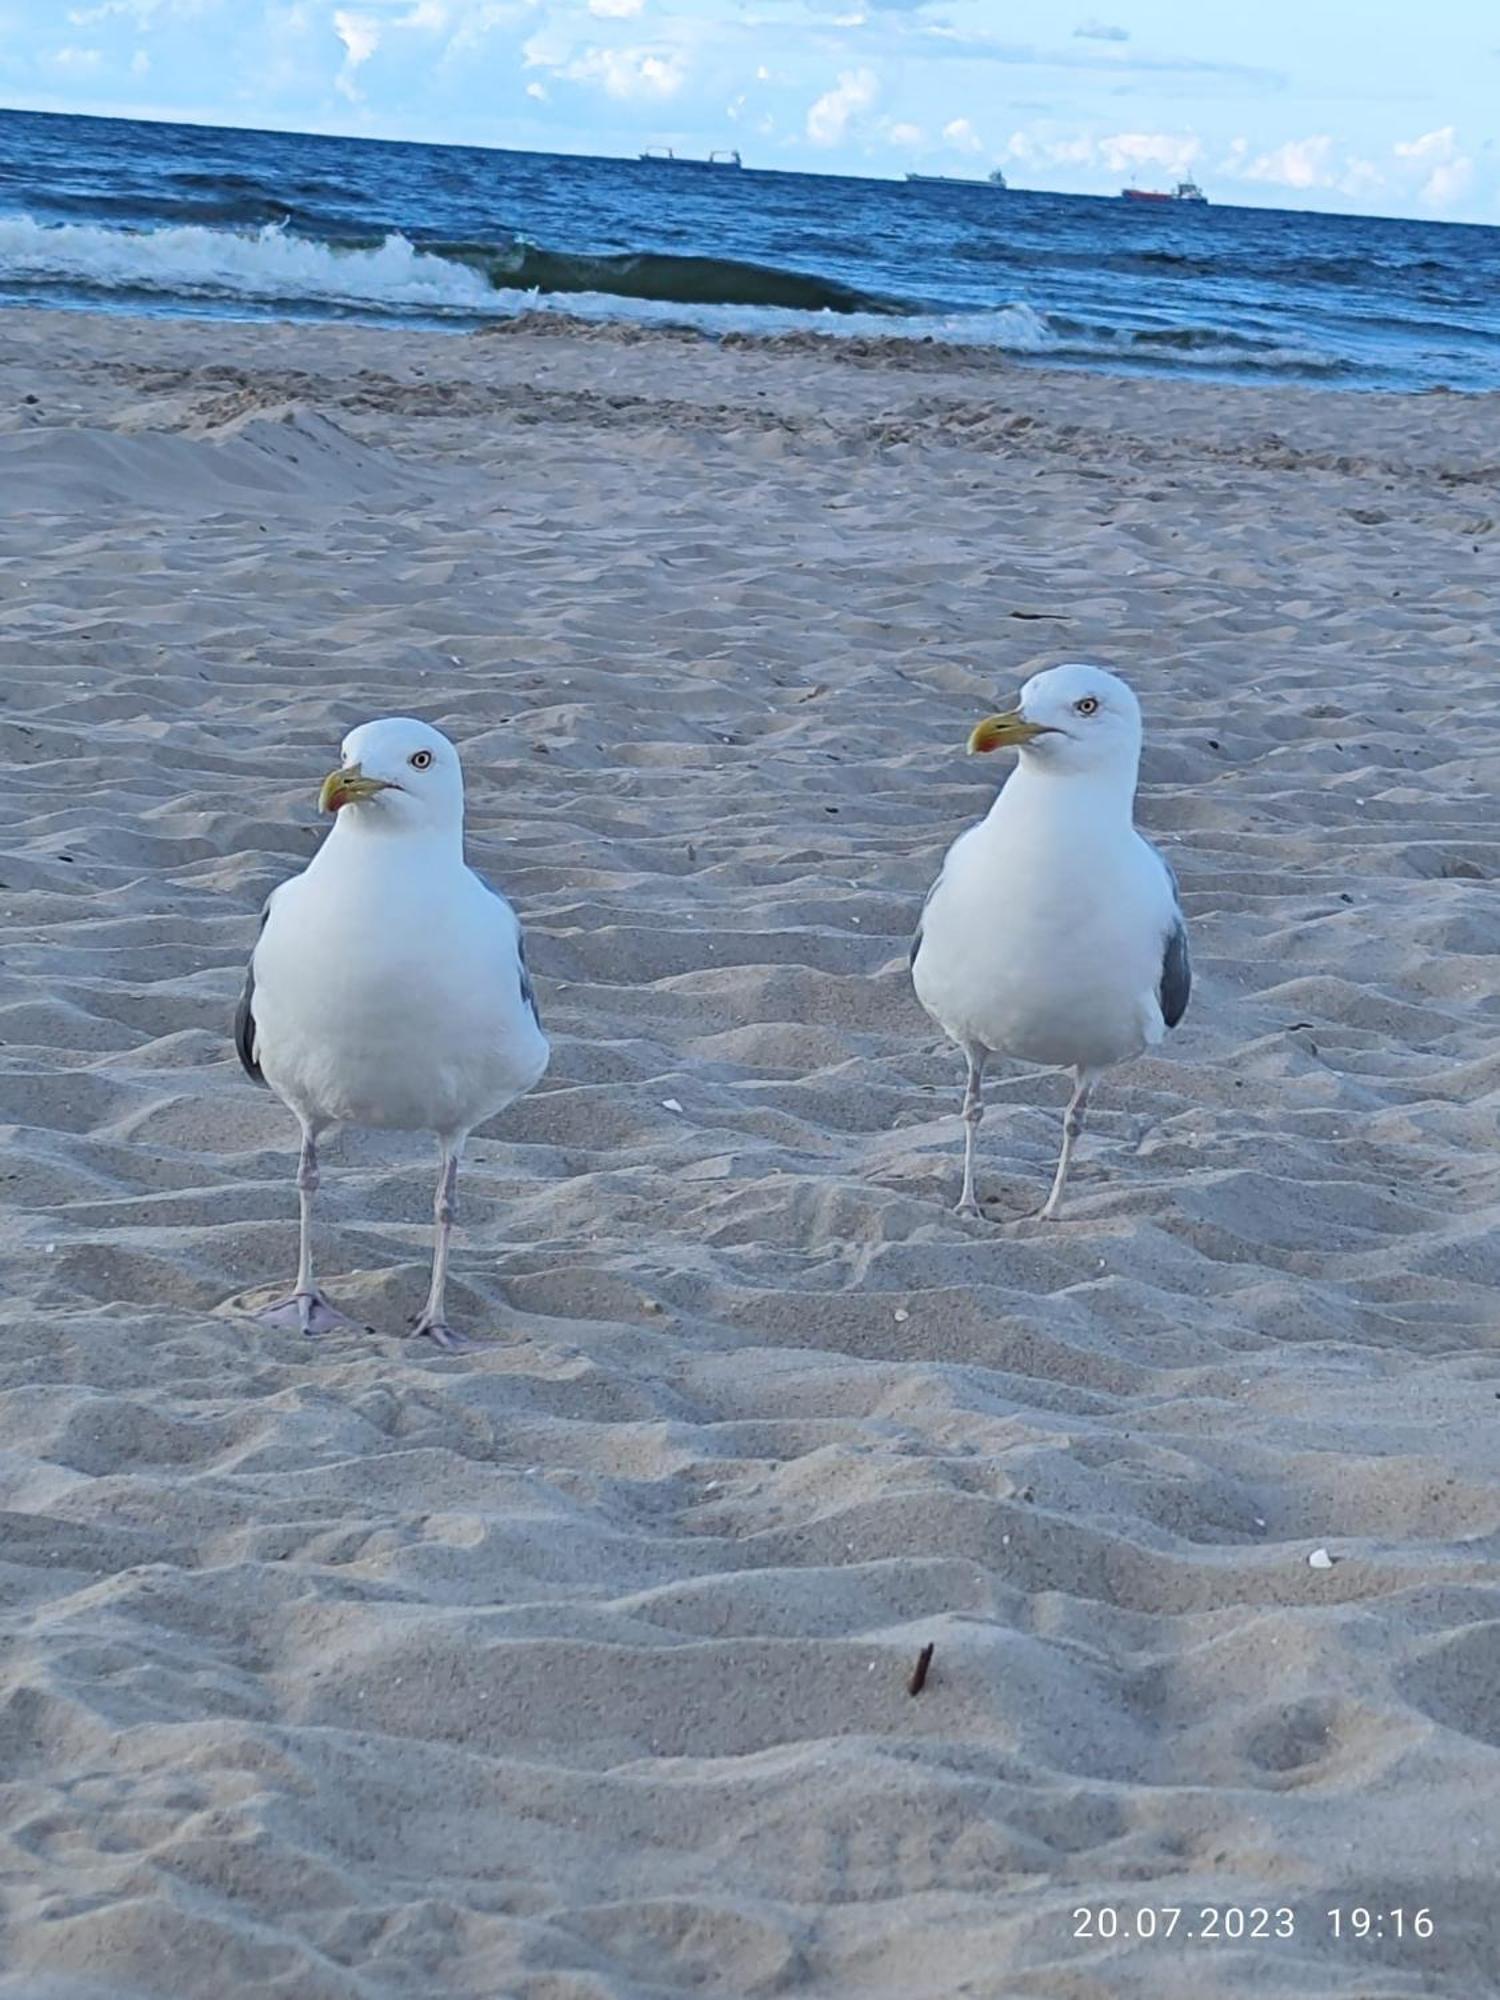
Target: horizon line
[{"x": 895, "y": 178}]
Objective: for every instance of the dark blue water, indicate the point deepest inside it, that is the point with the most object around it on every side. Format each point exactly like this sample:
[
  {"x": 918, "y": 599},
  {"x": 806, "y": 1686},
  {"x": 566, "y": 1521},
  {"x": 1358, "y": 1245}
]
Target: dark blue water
[{"x": 112, "y": 214}]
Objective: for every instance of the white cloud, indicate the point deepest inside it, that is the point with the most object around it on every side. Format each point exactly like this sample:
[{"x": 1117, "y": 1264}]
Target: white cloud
[
  {"x": 1360, "y": 177},
  {"x": 1127, "y": 152},
  {"x": 74, "y": 61},
  {"x": 1297, "y": 163},
  {"x": 538, "y": 91},
  {"x": 627, "y": 74},
  {"x": 906, "y": 135},
  {"x": 143, "y": 12},
  {"x": 140, "y": 62},
  {"x": 1443, "y": 172},
  {"x": 361, "y": 38},
  {"x": 961, "y": 134},
  {"x": 615, "y": 10},
  {"x": 478, "y": 19},
  {"x": 1068, "y": 152},
  {"x": 829, "y": 118},
  {"x": 1170, "y": 154},
  {"x": 1100, "y": 31},
  {"x": 1305, "y": 166}
]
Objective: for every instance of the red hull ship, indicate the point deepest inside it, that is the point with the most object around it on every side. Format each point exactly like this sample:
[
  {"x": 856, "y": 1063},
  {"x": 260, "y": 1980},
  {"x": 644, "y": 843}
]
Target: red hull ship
[{"x": 1184, "y": 191}]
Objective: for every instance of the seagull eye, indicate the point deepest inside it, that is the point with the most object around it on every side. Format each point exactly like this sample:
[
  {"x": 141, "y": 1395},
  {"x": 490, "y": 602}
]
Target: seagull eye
[
  {"x": 420, "y": 759},
  {"x": 1087, "y": 706}
]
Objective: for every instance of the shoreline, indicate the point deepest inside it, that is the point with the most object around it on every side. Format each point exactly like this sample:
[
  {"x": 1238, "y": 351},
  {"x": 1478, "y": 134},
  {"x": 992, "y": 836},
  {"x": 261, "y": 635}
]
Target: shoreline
[
  {"x": 871, "y": 346},
  {"x": 1340, "y": 429}
]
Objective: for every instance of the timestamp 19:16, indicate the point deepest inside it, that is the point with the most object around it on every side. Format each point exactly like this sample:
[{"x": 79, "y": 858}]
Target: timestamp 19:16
[{"x": 1360, "y": 1922}]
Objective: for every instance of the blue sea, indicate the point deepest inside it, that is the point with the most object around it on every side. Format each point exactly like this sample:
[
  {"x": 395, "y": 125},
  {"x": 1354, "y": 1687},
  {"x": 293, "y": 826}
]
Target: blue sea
[{"x": 116, "y": 215}]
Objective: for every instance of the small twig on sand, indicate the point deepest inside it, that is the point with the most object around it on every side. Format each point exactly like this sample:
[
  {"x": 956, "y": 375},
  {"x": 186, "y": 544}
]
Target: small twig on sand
[{"x": 918, "y": 1678}]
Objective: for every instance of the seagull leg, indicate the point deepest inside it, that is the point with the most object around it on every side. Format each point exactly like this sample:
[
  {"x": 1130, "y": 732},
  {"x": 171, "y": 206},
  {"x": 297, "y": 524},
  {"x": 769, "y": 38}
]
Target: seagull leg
[
  {"x": 972, "y": 1113},
  {"x": 307, "y": 1309},
  {"x": 433, "y": 1321},
  {"x": 1078, "y": 1105}
]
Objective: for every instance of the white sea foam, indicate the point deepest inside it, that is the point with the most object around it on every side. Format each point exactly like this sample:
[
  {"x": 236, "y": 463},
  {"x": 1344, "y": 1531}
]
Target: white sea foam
[
  {"x": 183, "y": 266},
  {"x": 268, "y": 265}
]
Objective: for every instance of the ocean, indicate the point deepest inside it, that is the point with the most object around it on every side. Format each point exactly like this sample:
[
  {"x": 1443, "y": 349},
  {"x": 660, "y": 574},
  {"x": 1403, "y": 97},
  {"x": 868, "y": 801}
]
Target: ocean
[{"x": 118, "y": 215}]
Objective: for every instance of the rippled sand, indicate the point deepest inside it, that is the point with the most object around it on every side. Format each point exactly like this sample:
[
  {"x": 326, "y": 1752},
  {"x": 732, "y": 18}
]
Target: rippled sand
[{"x": 578, "y": 1667}]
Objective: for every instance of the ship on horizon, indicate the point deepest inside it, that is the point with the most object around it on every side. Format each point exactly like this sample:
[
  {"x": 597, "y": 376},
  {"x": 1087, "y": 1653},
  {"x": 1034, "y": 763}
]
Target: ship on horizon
[
  {"x": 994, "y": 179},
  {"x": 663, "y": 156},
  {"x": 1184, "y": 191}
]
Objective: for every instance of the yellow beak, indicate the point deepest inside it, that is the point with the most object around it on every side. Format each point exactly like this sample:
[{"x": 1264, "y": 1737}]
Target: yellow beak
[
  {"x": 1005, "y": 732},
  {"x": 347, "y": 788}
]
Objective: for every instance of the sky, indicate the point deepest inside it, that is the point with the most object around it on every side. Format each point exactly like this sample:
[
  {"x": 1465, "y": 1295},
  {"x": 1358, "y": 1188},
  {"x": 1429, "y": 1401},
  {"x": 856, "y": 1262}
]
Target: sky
[{"x": 1376, "y": 106}]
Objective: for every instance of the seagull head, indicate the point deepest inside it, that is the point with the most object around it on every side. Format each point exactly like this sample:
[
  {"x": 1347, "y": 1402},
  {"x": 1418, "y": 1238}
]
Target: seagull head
[
  {"x": 1071, "y": 720},
  {"x": 398, "y": 775}
]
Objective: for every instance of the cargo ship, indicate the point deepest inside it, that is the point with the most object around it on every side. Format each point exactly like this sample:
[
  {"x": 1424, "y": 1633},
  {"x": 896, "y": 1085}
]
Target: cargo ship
[
  {"x": 663, "y": 156},
  {"x": 1184, "y": 191},
  {"x": 994, "y": 180}
]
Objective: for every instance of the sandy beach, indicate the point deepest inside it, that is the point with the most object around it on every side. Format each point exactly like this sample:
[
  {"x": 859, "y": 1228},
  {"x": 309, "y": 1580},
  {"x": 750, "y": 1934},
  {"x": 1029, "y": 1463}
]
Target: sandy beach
[{"x": 576, "y": 1668}]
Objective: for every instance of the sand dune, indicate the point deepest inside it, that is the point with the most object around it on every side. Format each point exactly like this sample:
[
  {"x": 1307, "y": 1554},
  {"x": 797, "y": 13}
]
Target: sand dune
[{"x": 577, "y": 1667}]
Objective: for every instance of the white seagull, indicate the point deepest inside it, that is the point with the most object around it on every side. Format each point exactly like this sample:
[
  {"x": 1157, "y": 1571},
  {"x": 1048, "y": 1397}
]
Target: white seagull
[
  {"x": 389, "y": 986},
  {"x": 1053, "y": 932}
]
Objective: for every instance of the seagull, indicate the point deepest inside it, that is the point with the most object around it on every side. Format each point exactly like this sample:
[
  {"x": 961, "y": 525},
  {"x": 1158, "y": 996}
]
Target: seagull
[
  {"x": 1054, "y": 932},
  {"x": 389, "y": 987}
]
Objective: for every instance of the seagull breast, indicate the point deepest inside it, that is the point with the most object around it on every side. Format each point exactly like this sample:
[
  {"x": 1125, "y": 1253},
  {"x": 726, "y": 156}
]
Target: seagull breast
[{"x": 390, "y": 990}]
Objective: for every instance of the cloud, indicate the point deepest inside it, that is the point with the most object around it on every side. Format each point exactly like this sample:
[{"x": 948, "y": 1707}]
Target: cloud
[
  {"x": 1443, "y": 172},
  {"x": 905, "y": 135},
  {"x": 627, "y": 74},
  {"x": 829, "y": 118},
  {"x": 1173, "y": 152},
  {"x": 1360, "y": 178},
  {"x": 360, "y": 36},
  {"x": 960, "y": 133},
  {"x": 1168, "y": 154},
  {"x": 1304, "y": 166},
  {"x": 75, "y": 61},
  {"x": 615, "y": 10},
  {"x": 1077, "y": 152},
  {"x": 479, "y": 19},
  {"x": 1100, "y": 31},
  {"x": 942, "y": 40},
  {"x": 1299, "y": 163},
  {"x": 144, "y": 13}
]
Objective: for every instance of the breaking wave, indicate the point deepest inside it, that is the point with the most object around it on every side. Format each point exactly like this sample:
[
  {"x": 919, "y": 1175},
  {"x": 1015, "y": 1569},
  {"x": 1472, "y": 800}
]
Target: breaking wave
[
  {"x": 276, "y": 265},
  {"x": 273, "y": 269}
]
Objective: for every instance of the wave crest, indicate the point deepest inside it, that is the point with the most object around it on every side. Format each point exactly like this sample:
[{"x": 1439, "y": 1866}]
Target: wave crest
[
  {"x": 275, "y": 269},
  {"x": 273, "y": 264}
]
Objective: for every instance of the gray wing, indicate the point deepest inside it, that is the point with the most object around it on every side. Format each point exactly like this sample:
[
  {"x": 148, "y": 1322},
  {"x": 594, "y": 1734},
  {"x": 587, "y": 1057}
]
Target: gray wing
[
  {"x": 1176, "y": 982},
  {"x": 916, "y": 941},
  {"x": 244, "y": 1015},
  {"x": 1176, "y": 976},
  {"x": 528, "y": 991}
]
